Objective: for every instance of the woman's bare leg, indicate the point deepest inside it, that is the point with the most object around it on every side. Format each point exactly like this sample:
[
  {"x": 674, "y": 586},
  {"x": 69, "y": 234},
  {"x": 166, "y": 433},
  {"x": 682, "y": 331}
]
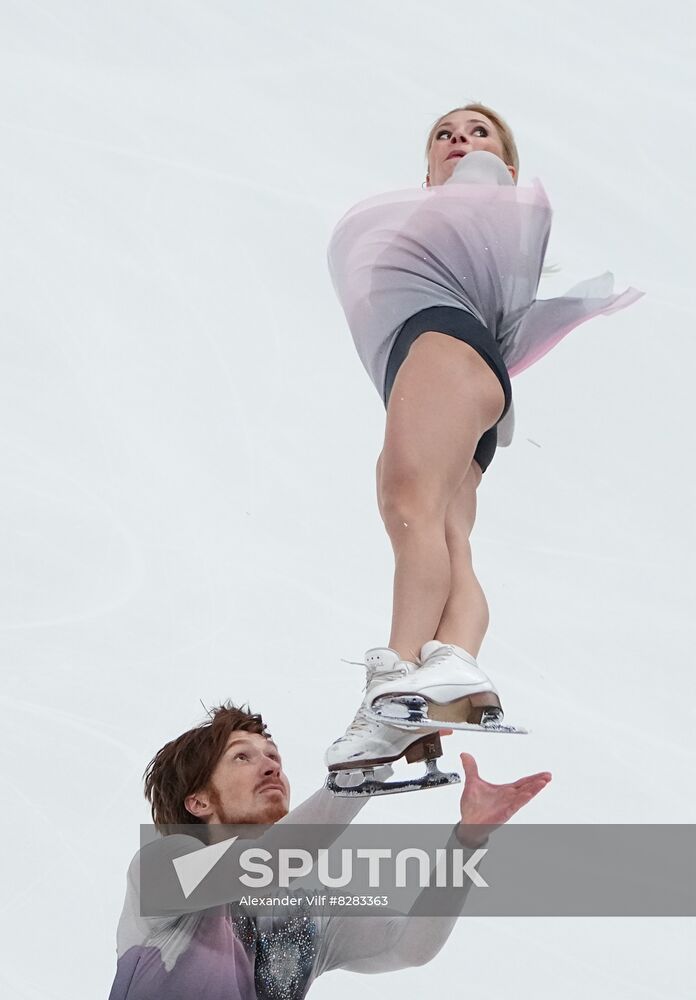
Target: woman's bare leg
[
  {"x": 465, "y": 619},
  {"x": 443, "y": 399}
]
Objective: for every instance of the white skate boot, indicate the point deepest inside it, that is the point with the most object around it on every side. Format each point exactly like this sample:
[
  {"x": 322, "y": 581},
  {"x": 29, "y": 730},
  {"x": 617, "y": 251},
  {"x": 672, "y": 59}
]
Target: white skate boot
[
  {"x": 368, "y": 743},
  {"x": 448, "y": 689}
]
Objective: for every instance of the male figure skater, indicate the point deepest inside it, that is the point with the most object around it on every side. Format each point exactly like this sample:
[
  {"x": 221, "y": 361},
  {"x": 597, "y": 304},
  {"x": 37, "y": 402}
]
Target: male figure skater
[{"x": 228, "y": 770}]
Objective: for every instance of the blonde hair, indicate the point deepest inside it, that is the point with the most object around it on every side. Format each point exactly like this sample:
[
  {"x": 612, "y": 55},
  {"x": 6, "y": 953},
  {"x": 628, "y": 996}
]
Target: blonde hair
[{"x": 510, "y": 153}]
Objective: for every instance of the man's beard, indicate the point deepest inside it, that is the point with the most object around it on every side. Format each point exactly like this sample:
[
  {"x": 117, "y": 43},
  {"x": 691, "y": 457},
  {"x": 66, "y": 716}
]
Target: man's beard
[{"x": 262, "y": 813}]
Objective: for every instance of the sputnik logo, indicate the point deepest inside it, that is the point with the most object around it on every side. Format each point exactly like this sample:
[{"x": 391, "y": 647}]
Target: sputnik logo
[{"x": 192, "y": 868}]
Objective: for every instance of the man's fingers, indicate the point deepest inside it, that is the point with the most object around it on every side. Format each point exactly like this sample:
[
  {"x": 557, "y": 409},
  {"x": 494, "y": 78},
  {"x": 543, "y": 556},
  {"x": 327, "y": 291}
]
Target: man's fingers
[
  {"x": 530, "y": 790},
  {"x": 544, "y": 776},
  {"x": 524, "y": 795}
]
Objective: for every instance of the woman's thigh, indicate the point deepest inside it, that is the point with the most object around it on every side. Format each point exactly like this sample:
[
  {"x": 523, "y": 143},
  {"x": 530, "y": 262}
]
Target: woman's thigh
[{"x": 443, "y": 399}]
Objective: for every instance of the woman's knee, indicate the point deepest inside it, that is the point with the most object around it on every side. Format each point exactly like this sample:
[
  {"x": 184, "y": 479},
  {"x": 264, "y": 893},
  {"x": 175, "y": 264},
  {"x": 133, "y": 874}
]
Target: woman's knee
[
  {"x": 410, "y": 500},
  {"x": 409, "y": 487}
]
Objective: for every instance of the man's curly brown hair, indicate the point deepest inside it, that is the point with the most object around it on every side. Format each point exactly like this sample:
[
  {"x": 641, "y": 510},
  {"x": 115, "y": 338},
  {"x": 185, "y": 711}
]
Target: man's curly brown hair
[{"x": 185, "y": 765}]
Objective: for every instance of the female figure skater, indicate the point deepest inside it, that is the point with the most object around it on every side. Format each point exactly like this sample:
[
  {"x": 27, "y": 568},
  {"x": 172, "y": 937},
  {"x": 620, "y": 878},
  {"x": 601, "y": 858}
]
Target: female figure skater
[{"x": 438, "y": 286}]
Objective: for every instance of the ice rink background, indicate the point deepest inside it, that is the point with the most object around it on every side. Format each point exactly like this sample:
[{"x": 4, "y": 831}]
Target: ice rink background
[{"x": 188, "y": 439}]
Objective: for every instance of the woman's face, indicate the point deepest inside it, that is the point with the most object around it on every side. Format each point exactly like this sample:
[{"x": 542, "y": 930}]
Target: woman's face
[{"x": 455, "y": 136}]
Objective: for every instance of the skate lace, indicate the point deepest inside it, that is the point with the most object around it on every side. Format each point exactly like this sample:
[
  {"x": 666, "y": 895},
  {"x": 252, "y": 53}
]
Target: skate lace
[
  {"x": 362, "y": 720},
  {"x": 386, "y": 675}
]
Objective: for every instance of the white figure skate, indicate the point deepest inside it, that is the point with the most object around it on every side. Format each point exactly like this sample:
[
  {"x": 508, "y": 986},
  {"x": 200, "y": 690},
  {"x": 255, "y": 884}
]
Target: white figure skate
[
  {"x": 359, "y": 761},
  {"x": 448, "y": 689}
]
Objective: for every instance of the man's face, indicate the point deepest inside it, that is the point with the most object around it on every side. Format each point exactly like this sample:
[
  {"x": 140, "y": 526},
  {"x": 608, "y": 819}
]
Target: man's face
[
  {"x": 247, "y": 786},
  {"x": 456, "y": 135}
]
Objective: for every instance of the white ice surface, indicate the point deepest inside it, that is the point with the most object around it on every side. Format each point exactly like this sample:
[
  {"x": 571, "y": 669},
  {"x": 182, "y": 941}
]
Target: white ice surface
[{"x": 188, "y": 439}]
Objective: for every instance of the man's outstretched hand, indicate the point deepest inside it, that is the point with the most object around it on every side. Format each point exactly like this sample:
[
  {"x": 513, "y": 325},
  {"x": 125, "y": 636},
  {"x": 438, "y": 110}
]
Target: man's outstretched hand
[{"x": 485, "y": 806}]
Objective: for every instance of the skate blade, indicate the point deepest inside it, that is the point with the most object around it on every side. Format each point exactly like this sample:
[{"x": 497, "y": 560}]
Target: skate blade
[
  {"x": 369, "y": 785},
  {"x": 414, "y": 712}
]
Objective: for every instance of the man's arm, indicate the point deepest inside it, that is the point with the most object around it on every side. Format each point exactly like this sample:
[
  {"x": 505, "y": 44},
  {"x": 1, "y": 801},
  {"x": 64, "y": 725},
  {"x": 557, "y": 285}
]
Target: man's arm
[
  {"x": 384, "y": 944},
  {"x": 325, "y": 807},
  {"x": 387, "y": 942},
  {"x": 321, "y": 808}
]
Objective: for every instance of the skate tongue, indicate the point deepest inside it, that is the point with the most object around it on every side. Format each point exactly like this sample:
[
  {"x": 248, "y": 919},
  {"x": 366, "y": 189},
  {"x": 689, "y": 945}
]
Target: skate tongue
[{"x": 428, "y": 648}]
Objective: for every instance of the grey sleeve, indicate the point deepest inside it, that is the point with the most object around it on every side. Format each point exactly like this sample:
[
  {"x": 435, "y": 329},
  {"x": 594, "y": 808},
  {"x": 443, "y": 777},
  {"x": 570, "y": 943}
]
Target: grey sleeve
[
  {"x": 391, "y": 942},
  {"x": 325, "y": 807},
  {"x": 321, "y": 808},
  {"x": 384, "y": 944}
]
